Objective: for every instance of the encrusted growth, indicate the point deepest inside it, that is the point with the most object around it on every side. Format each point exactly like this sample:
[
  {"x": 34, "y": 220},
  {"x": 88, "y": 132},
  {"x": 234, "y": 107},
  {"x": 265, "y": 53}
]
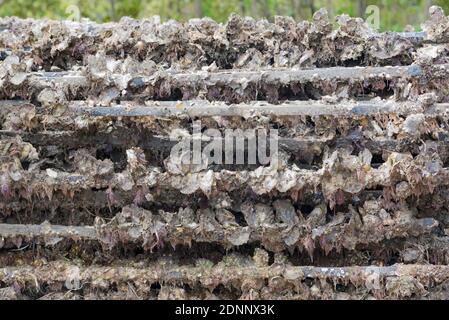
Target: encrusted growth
[{"x": 353, "y": 203}]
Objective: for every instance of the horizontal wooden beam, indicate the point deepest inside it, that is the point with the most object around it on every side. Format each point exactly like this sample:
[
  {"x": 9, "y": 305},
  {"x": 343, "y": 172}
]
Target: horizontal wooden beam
[
  {"x": 275, "y": 236},
  {"x": 227, "y": 275},
  {"x": 204, "y": 108},
  {"x": 275, "y": 75}
]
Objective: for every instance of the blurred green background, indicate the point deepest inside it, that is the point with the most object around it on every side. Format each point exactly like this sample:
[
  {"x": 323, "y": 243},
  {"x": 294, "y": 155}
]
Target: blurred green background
[{"x": 394, "y": 14}]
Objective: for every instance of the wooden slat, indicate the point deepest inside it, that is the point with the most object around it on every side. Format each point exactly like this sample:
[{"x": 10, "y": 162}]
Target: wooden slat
[
  {"x": 98, "y": 276},
  {"x": 271, "y": 235},
  {"x": 278, "y": 75},
  {"x": 204, "y": 108},
  {"x": 46, "y": 230}
]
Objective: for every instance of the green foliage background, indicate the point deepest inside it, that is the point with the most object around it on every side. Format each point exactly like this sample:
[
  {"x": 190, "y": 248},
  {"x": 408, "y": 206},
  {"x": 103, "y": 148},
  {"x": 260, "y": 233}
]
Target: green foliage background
[{"x": 394, "y": 14}]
